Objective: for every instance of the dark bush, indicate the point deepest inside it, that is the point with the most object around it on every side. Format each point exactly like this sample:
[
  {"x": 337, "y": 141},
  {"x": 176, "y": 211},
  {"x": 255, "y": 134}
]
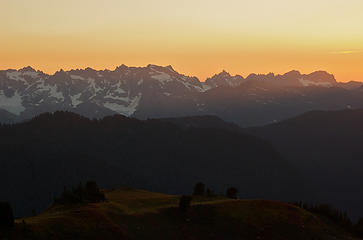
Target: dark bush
[
  {"x": 93, "y": 192},
  {"x": 359, "y": 227},
  {"x": 184, "y": 202},
  {"x": 339, "y": 217},
  {"x": 199, "y": 189},
  {"x": 6, "y": 216},
  {"x": 80, "y": 194},
  {"x": 232, "y": 193}
]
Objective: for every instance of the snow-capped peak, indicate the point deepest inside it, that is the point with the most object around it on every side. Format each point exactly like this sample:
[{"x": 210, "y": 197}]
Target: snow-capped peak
[{"x": 128, "y": 90}]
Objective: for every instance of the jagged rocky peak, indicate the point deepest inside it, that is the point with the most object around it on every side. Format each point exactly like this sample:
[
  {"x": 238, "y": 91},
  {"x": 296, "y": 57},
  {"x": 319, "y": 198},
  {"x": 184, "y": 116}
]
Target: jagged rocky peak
[
  {"x": 318, "y": 78},
  {"x": 351, "y": 85},
  {"x": 294, "y": 74},
  {"x": 224, "y": 73},
  {"x": 270, "y": 75},
  {"x": 294, "y": 79},
  {"x": 23, "y": 76},
  {"x": 167, "y": 69},
  {"x": 60, "y": 74},
  {"x": 88, "y": 69},
  {"x": 27, "y": 69},
  {"x": 224, "y": 79},
  {"x": 251, "y": 76},
  {"x": 121, "y": 68},
  {"x": 321, "y": 76},
  {"x": 150, "y": 69},
  {"x": 167, "y": 75},
  {"x": 257, "y": 77},
  {"x": 170, "y": 68}
]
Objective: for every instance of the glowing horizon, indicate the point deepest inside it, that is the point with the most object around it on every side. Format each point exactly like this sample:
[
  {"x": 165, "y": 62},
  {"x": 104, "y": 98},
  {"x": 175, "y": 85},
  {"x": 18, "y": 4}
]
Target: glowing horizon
[{"x": 198, "y": 38}]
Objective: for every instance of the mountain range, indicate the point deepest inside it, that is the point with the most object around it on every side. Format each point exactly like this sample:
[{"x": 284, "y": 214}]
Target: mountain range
[{"x": 161, "y": 92}]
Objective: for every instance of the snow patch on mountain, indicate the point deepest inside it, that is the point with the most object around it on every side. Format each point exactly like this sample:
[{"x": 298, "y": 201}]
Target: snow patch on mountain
[
  {"x": 16, "y": 76},
  {"x": 192, "y": 87},
  {"x": 19, "y": 76},
  {"x": 307, "y": 83},
  {"x": 116, "y": 98},
  {"x": 93, "y": 86},
  {"x": 76, "y": 77},
  {"x": 31, "y": 74},
  {"x": 75, "y": 99},
  {"x": 52, "y": 90},
  {"x": 12, "y": 104},
  {"x": 206, "y": 87},
  {"x": 125, "y": 109},
  {"x": 118, "y": 88},
  {"x": 55, "y": 94},
  {"x": 162, "y": 77}
]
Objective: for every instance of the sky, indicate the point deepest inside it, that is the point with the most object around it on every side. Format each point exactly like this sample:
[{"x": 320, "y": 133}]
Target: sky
[{"x": 197, "y": 37}]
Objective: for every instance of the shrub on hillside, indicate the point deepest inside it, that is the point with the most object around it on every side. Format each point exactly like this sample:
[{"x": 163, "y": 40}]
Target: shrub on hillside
[
  {"x": 184, "y": 202},
  {"x": 6, "y": 216},
  {"x": 82, "y": 194},
  {"x": 93, "y": 193},
  {"x": 209, "y": 192},
  {"x": 199, "y": 189},
  {"x": 232, "y": 193},
  {"x": 339, "y": 217},
  {"x": 359, "y": 227}
]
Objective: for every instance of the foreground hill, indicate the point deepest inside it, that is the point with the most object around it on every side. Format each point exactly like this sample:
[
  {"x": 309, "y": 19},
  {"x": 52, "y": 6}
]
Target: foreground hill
[
  {"x": 40, "y": 156},
  {"x": 326, "y": 147},
  {"x": 138, "y": 214}
]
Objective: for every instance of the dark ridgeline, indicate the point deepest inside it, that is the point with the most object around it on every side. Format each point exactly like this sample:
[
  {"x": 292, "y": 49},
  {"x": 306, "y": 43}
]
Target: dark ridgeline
[
  {"x": 40, "y": 156},
  {"x": 202, "y": 122},
  {"x": 327, "y": 149}
]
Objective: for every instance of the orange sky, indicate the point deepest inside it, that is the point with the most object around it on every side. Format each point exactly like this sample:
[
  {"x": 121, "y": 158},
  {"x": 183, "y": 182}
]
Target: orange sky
[{"x": 197, "y": 37}]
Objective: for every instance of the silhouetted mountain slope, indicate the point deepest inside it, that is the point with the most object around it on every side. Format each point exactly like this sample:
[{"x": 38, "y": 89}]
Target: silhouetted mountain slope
[
  {"x": 7, "y": 117},
  {"x": 351, "y": 85},
  {"x": 327, "y": 148},
  {"x": 40, "y": 156},
  {"x": 161, "y": 92},
  {"x": 202, "y": 122},
  {"x": 259, "y": 103}
]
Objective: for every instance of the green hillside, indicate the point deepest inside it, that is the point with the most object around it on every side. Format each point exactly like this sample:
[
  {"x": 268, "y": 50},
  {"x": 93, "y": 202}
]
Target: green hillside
[{"x": 139, "y": 214}]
